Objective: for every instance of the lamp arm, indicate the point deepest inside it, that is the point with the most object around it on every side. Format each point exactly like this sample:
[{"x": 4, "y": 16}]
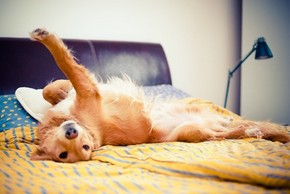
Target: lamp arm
[
  {"x": 231, "y": 72},
  {"x": 240, "y": 63}
]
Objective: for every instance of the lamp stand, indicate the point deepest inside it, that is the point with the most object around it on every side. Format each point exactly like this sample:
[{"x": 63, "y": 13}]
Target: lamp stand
[{"x": 231, "y": 72}]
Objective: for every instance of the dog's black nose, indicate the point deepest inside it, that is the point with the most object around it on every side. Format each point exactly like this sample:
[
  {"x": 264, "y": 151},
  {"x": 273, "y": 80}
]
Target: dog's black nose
[{"x": 71, "y": 132}]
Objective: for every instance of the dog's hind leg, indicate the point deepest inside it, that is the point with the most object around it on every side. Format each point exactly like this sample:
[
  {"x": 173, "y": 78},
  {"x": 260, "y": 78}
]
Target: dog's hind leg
[
  {"x": 238, "y": 130},
  {"x": 79, "y": 76},
  {"x": 263, "y": 130}
]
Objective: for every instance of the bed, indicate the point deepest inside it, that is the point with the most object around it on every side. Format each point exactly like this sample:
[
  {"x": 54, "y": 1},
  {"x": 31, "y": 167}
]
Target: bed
[{"x": 228, "y": 166}]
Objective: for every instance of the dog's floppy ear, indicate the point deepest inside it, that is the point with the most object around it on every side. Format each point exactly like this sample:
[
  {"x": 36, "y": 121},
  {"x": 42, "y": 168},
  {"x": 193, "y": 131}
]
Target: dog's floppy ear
[{"x": 39, "y": 154}]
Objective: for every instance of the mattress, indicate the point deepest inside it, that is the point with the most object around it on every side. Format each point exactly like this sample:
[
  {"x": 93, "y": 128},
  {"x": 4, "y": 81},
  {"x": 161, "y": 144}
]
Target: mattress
[{"x": 228, "y": 166}]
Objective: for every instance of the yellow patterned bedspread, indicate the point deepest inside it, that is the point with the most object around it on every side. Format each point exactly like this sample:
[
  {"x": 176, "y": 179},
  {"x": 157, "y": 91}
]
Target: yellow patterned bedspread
[{"x": 229, "y": 166}]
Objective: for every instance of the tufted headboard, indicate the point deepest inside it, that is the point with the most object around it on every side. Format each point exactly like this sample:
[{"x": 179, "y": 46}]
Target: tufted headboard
[{"x": 27, "y": 63}]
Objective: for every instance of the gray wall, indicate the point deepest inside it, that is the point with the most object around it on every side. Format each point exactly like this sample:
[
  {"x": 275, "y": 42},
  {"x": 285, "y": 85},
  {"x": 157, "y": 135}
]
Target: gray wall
[{"x": 265, "y": 84}]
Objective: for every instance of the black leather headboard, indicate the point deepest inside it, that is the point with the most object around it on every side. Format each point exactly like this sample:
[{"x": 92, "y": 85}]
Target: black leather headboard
[{"x": 27, "y": 63}]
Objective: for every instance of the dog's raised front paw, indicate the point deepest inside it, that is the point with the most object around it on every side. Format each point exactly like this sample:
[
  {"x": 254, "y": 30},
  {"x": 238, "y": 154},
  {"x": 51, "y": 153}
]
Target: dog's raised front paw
[{"x": 39, "y": 34}]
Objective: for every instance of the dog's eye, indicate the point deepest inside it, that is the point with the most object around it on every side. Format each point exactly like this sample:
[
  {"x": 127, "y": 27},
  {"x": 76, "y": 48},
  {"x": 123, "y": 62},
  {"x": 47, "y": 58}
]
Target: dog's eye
[
  {"x": 63, "y": 155},
  {"x": 86, "y": 147}
]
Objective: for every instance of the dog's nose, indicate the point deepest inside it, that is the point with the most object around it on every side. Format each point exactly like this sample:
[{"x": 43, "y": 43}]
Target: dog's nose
[{"x": 71, "y": 132}]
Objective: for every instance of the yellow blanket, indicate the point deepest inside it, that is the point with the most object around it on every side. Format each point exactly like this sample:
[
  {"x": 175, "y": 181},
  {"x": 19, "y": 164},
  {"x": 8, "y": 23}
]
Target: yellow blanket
[{"x": 229, "y": 166}]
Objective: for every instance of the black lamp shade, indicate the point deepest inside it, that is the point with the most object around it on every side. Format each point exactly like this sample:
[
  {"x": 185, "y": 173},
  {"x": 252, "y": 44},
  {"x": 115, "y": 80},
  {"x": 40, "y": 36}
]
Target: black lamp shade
[{"x": 262, "y": 50}]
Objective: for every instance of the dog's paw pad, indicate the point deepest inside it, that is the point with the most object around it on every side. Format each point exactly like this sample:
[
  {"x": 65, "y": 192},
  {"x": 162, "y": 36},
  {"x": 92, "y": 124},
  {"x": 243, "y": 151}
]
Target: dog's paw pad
[
  {"x": 39, "y": 34},
  {"x": 40, "y": 31},
  {"x": 254, "y": 132}
]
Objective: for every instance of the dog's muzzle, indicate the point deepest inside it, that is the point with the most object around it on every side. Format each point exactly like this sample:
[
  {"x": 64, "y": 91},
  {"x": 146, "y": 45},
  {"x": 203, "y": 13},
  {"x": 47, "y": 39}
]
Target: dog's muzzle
[{"x": 71, "y": 131}]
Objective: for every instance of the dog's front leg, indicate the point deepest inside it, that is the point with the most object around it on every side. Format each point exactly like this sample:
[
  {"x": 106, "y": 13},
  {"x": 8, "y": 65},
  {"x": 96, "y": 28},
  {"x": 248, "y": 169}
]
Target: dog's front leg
[
  {"x": 79, "y": 76},
  {"x": 56, "y": 91}
]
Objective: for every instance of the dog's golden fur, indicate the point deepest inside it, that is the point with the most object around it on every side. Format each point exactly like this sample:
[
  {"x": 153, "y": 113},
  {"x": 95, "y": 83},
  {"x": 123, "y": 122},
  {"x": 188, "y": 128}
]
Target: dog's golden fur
[{"x": 94, "y": 114}]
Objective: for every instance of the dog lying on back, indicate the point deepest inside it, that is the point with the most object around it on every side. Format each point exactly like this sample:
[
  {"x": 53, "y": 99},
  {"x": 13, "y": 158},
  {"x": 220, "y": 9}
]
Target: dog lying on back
[{"x": 94, "y": 114}]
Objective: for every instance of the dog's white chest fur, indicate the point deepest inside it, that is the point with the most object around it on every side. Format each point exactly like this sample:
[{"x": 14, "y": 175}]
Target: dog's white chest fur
[
  {"x": 115, "y": 88},
  {"x": 64, "y": 105}
]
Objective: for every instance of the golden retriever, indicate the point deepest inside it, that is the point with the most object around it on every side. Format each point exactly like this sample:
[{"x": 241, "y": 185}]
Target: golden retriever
[{"x": 88, "y": 114}]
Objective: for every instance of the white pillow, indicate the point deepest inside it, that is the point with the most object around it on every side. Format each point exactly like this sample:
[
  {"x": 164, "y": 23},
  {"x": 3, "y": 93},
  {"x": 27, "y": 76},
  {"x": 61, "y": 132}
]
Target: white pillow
[{"x": 32, "y": 101}]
